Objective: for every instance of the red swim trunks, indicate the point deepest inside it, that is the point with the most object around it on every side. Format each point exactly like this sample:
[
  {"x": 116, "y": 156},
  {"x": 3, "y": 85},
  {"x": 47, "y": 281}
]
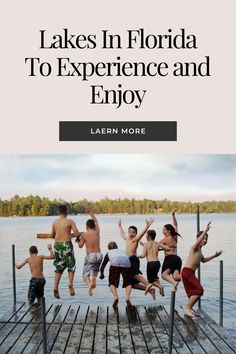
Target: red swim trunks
[{"x": 192, "y": 285}]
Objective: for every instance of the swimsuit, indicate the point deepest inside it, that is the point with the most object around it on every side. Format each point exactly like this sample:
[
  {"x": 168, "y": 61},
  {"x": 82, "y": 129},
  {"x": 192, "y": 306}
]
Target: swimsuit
[
  {"x": 36, "y": 288},
  {"x": 172, "y": 262},
  {"x": 120, "y": 265},
  {"x": 135, "y": 264},
  {"x": 64, "y": 257},
  {"x": 92, "y": 263},
  {"x": 152, "y": 270},
  {"x": 192, "y": 285}
]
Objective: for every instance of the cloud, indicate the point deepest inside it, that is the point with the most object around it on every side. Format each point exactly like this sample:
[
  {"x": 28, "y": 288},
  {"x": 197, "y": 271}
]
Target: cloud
[{"x": 176, "y": 177}]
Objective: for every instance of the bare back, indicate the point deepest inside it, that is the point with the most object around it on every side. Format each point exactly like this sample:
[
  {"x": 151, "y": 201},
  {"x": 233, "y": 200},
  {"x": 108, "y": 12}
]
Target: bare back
[
  {"x": 152, "y": 248},
  {"x": 170, "y": 242},
  {"x": 194, "y": 258},
  {"x": 62, "y": 228},
  {"x": 92, "y": 241},
  {"x": 36, "y": 265}
]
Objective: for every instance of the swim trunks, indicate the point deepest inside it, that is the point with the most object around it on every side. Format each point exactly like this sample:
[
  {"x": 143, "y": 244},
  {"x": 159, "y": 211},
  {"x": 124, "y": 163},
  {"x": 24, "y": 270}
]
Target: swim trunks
[
  {"x": 152, "y": 271},
  {"x": 114, "y": 276},
  {"x": 192, "y": 285},
  {"x": 172, "y": 262},
  {"x": 92, "y": 263},
  {"x": 64, "y": 257},
  {"x": 36, "y": 288},
  {"x": 135, "y": 264}
]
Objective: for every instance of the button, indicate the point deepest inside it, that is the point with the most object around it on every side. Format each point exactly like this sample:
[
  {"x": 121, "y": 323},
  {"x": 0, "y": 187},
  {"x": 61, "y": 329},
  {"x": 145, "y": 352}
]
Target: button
[{"x": 117, "y": 131}]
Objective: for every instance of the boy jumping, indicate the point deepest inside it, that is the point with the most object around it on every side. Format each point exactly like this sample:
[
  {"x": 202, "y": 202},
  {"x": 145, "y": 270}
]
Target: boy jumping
[
  {"x": 192, "y": 286},
  {"x": 37, "y": 282}
]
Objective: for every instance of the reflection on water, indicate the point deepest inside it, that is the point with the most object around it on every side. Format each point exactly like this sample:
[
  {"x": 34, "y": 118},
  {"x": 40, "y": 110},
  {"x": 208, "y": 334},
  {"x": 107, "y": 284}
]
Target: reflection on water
[{"x": 22, "y": 232}]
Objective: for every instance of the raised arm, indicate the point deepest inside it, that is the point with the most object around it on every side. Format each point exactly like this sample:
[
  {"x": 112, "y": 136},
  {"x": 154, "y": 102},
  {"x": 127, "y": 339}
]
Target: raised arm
[
  {"x": 144, "y": 254},
  {"x": 51, "y": 256},
  {"x": 122, "y": 232},
  {"x": 174, "y": 220},
  {"x": 201, "y": 237},
  {"x": 20, "y": 265},
  {"x": 207, "y": 259},
  {"x": 149, "y": 222},
  {"x": 90, "y": 211}
]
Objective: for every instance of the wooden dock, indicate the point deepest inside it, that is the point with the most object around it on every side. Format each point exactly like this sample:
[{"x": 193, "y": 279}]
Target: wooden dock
[{"x": 99, "y": 329}]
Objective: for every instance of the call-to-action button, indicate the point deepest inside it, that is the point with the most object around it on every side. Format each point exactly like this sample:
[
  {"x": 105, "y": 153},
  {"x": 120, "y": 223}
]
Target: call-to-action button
[{"x": 117, "y": 131}]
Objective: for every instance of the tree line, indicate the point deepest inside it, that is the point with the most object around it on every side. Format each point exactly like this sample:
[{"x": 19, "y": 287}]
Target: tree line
[{"x": 37, "y": 206}]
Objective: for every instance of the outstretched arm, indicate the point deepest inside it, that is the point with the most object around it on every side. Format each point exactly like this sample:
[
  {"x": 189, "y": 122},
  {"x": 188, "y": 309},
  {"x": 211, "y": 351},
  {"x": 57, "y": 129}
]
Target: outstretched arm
[
  {"x": 122, "y": 232},
  {"x": 51, "y": 256},
  {"x": 149, "y": 222},
  {"x": 90, "y": 211},
  {"x": 174, "y": 220},
  {"x": 144, "y": 254},
  {"x": 163, "y": 247},
  {"x": 201, "y": 237},
  {"x": 207, "y": 259},
  {"x": 20, "y": 265}
]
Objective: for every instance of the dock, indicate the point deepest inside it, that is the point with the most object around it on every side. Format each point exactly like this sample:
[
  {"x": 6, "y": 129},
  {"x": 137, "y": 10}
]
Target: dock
[{"x": 74, "y": 328}]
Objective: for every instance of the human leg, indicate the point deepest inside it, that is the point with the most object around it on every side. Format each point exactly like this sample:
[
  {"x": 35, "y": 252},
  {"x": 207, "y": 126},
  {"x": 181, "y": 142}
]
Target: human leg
[
  {"x": 57, "y": 279},
  {"x": 191, "y": 302},
  {"x": 167, "y": 276}
]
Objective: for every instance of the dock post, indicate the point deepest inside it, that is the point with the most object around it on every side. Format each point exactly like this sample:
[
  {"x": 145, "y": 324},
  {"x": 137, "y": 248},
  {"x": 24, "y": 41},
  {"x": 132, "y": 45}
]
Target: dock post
[
  {"x": 199, "y": 267},
  {"x": 14, "y": 274},
  {"x": 221, "y": 294},
  {"x": 172, "y": 313},
  {"x": 43, "y": 322}
]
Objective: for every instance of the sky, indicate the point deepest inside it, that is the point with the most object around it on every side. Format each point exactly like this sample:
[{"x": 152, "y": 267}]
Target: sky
[{"x": 74, "y": 177}]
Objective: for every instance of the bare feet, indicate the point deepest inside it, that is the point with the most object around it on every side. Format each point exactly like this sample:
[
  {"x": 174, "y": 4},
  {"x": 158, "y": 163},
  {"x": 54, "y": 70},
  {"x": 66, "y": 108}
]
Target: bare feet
[
  {"x": 56, "y": 293},
  {"x": 147, "y": 288},
  {"x": 175, "y": 286},
  {"x": 128, "y": 303},
  {"x": 161, "y": 288},
  {"x": 153, "y": 293},
  {"x": 72, "y": 290},
  {"x": 188, "y": 312},
  {"x": 90, "y": 290},
  {"x": 115, "y": 303}
]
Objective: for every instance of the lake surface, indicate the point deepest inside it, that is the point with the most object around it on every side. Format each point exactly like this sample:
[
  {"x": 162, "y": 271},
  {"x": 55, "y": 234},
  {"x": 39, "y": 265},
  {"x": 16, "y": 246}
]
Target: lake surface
[{"x": 22, "y": 232}]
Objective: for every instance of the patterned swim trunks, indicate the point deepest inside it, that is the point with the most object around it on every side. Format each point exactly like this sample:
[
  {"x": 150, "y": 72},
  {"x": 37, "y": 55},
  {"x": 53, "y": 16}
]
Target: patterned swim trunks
[
  {"x": 64, "y": 257},
  {"x": 92, "y": 263},
  {"x": 36, "y": 289}
]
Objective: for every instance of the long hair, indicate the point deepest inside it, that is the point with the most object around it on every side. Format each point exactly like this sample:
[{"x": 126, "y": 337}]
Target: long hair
[{"x": 172, "y": 231}]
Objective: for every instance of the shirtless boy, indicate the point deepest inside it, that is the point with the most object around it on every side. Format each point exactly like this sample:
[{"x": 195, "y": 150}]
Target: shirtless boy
[
  {"x": 37, "y": 281},
  {"x": 150, "y": 251},
  {"x": 132, "y": 241},
  {"x": 63, "y": 249},
  {"x": 119, "y": 265},
  {"x": 93, "y": 260},
  {"x": 192, "y": 286}
]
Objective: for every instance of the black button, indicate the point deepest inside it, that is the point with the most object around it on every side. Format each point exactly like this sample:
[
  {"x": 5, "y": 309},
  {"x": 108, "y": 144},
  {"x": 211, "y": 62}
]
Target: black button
[{"x": 117, "y": 131}]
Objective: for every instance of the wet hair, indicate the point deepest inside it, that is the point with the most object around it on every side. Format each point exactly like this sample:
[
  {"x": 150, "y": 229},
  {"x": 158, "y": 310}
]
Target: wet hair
[
  {"x": 33, "y": 249},
  {"x": 62, "y": 209},
  {"x": 172, "y": 231},
  {"x": 134, "y": 228},
  {"x": 90, "y": 224},
  {"x": 152, "y": 234},
  {"x": 200, "y": 233},
  {"x": 112, "y": 245}
]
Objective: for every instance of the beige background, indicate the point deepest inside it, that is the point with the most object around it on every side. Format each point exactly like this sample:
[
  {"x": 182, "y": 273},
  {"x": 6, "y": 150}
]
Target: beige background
[{"x": 32, "y": 107}]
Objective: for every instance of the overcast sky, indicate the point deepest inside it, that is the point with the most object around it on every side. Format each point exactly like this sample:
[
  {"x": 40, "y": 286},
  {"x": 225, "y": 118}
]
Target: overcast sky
[{"x": 73, "y": 177}]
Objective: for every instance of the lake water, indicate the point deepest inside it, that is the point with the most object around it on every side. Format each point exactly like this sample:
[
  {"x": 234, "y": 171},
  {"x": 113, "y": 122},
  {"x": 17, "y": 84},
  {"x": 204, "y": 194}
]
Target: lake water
[{"x": 22, "y": 232}]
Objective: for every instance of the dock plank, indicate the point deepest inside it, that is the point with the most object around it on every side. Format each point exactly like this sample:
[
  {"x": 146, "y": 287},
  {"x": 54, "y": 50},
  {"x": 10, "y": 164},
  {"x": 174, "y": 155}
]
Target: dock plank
[
  {"x": 102, "y": 315},
  {"x": 113, "y": 342},
  {"x": 72, "y": 313},
  {"x": 60, "y": 343},
  {"x": 139, "y": 341},
  {"x": 100, "y": 339},
  {"x": 112, "y": 316},
  {"x": 92, "y": 314},
  {"x": 61, "y": 314},
  {"x": 34, "y": 342},
  {"x": 52, "y": 333},
  {"x": 25, "y": 337},
  {"x": 126, "y": 343},
  {"x": 86, "y": 344},
  {"x": 82, "y": 314},
  {"x": 12, "y": 338},
  {"x": 8, "y": 314},
  {"x": 5, "y": 331},
  {"x": 74, "y": 339},
  {"x": 151, "y": 340}
]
